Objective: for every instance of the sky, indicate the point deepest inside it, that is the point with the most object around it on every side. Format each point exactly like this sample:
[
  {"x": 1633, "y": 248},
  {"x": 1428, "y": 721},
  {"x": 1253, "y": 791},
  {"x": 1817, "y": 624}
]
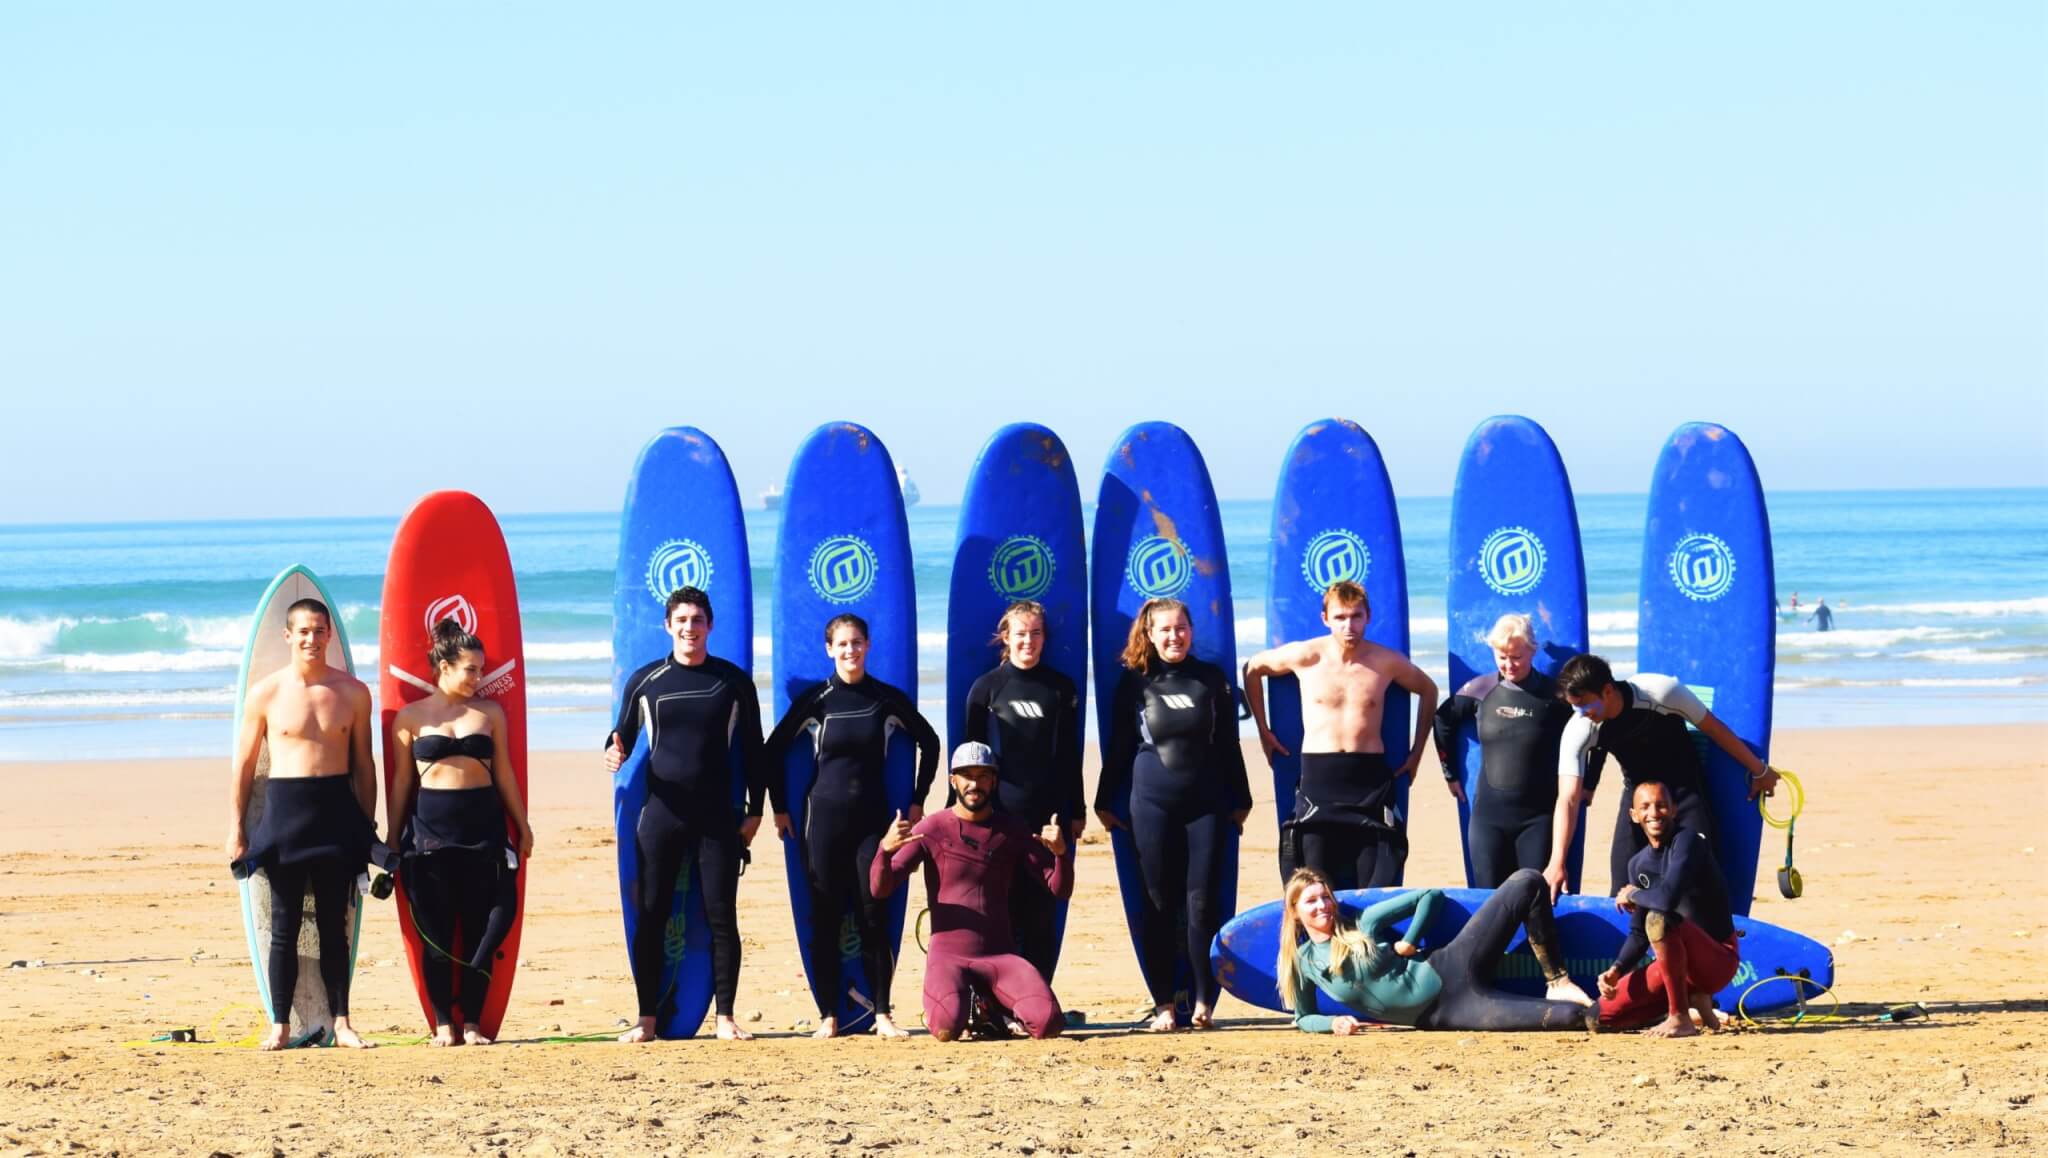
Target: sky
[{"x": 273, "y": 260}]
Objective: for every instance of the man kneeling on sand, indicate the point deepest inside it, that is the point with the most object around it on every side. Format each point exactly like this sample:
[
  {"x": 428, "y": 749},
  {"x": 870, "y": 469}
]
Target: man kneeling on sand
[
  {"x": 976, "y": 853},
  {"x": 1677, "y": 904}
]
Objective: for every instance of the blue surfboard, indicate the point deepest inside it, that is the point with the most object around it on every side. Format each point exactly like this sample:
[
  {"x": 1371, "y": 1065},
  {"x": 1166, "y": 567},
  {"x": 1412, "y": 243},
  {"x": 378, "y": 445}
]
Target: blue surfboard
[
  {"x": 1246, "y": 951},
  {"x": 844, "y": 547},
  {"x": 1158, "y": 532},
  {"x": 681, "y": 527},
  {"x": 1020, "y": 537},
  {"x": 1333, "y": 519},
  {"x": 1708, "y": 591},
  {"x": 1514, "y": 549}
]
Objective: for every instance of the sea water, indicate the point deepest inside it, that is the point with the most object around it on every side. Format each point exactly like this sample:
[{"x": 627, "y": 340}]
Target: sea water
[{"x": 122, "y": 640}]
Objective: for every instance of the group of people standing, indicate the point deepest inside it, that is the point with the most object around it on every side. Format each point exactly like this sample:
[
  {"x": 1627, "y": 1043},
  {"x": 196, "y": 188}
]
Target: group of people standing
[{"x": 998, "y": 859}]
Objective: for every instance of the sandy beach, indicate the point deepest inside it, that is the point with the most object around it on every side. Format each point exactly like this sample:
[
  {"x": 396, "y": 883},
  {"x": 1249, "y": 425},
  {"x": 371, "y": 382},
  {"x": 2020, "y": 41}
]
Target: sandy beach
[{"x": 1922, "y": 850}]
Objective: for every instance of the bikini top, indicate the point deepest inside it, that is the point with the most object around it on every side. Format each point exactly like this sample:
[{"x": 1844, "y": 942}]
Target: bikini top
[{"x": 432, "y": 748}]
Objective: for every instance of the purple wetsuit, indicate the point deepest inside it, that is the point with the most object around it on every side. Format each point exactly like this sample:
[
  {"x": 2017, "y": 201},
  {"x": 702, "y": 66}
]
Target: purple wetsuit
[{"x": 977, "y": 862}]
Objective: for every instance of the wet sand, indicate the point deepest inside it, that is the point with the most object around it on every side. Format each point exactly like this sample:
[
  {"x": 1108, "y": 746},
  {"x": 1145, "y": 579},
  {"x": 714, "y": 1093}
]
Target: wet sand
[{"x": 1922, "y": 852}]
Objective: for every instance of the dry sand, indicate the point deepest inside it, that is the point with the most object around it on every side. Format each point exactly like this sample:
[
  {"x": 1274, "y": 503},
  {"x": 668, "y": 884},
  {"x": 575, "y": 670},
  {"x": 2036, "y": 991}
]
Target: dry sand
[{"x": 1919, "y": 852}]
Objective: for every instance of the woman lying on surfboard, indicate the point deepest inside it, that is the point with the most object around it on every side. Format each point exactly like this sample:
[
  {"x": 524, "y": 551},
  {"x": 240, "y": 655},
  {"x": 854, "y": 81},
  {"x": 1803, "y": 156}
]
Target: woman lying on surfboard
[
  {"x": 850, "y": 717},
  {"x": 1368, "y": 966},
  {"x": 450, "y": 799}
]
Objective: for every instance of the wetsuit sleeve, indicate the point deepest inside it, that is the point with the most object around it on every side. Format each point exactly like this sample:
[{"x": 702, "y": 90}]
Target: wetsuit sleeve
[
  {"x": 1669, "y": 695},
  {"x": 627, "y": 729},
  {"x": 1229, "y": 753},
  {"x": 978, "y": 696},
  {"x": 1580, "y": 736},
  {"x": 927, "y": 739},
  {"x": 1121, "y": 749},
  {"x": 776, "y": 747},
  {"x": 750, "y": 748},
  {"x": 1304, "y": 998},
  {"x": 1076, "y": 793},
  {"x": 1634, "y": 946},
  {"x": 1457, "y": 710},
  {"x": 1055, "y": 871},
  {"x": 893, "y": 868},
  {"x": 1377, "y": 922}
]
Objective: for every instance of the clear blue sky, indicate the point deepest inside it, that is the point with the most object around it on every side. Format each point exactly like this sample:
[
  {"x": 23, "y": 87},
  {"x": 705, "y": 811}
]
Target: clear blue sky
[{"x": 271, "y": 258}]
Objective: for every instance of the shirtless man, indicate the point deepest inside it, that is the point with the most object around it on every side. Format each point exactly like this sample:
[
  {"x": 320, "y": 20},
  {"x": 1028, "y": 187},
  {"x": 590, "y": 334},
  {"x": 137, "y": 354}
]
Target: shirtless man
[
  {"x": 316, "y": 827},
  {"x": 1343, "y": 814}
]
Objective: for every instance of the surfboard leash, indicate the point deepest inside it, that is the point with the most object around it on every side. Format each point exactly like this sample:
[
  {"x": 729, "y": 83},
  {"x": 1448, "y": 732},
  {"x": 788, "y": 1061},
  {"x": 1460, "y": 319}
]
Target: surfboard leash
[{"x": 1790, "y": 884}]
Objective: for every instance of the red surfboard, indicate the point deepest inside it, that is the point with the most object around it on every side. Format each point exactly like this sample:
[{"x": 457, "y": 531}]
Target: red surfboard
[{"x": 448, "y": 561}]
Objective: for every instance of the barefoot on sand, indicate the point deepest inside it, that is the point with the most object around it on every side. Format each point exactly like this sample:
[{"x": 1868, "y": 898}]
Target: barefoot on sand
[
  {"x": 444, "y": 1035},
  {"x": 729, "y": 1030},
  {"x": 345, "y": 1035},
  {"x": 827, "y": 1027},
  {"x": 1565, "y": 989},
  {"x": 643, "y": 1032},
  {"x": 1703, "y": 1007},
  {"x": 886, "y": 1027},
  {"x": 1162, "y": 1021},
  {"x": 471, "y": 1035},
  {"x": 1673, "y": 1027}
]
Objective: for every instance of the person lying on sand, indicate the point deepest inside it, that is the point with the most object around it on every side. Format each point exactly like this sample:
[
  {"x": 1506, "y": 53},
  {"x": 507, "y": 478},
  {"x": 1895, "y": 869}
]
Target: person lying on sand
[{"x": 1369, "y": 967}]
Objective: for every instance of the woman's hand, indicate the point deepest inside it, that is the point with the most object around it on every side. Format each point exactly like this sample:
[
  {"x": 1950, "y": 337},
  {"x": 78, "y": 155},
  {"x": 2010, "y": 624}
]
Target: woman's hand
[
  {"x": 1344, "y": 1025},
  {"x": 1108, "y": 819},
  {"x": 526, "y": 842},
  {"x": 1406, "y": 950},
  {"x": 1237, "y": 818}
]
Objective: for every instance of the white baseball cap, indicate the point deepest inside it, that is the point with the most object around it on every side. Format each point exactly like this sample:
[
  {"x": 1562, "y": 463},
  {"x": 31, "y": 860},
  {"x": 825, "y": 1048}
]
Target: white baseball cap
[{"x": 973, "y": 754}]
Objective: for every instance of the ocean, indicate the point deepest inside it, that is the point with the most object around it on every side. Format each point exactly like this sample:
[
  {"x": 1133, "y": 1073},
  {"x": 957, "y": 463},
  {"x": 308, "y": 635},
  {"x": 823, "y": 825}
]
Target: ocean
[{"x": 122, "y": 640}]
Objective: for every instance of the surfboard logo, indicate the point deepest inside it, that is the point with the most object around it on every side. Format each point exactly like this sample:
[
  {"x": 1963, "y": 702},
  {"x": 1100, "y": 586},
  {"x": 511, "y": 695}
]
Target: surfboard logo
[
  {"x": 1334, "y": 556},
  {"x": 1158, "y": 568},
  {"x": 1702, "y": 567},
  {"x": 843, "y": 569},
  {"x": 455, "y": 607},
  {"x": 676, "y": 564},
  {"x": 1511, "y": 560},
  {"x": 1021, "y": 567}
]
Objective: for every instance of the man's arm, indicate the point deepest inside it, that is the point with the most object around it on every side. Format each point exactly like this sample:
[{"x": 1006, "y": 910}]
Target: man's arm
[
  {"x": 748, "y": 746},
  {"x": 1579, "y": 737},
  {"x": 1286, "y": 659},
  {"x": 1415, "y": 680},
  {"x": 1762, "y": 778},
  {"x": 405, "y": 773},
  {"x": 901, "y": 851},
  {"x": 626, "y": 730},
  {"x": 362, "y": 762},
  {"x": 242, "y": 771}
]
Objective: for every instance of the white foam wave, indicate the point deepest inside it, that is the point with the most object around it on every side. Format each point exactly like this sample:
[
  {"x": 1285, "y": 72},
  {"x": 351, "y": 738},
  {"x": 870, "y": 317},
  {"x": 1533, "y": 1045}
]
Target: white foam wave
[
  {"x": 154, "y": 661},
  {"x": 1879, "y": 637},
  {"x": 29, "y": 639},
  {"x": 1612, "y": 621},
  {"x": 1982, "y": 682},
  {"x": 1971, "y": 655},
  {"x": 1968, "y": 608},
  {"x": 1603, "y": 642},
  {"x": 581, "y": 689},
  {"x": 568, "y": 652},
  {"x": 186, "y": 698}
]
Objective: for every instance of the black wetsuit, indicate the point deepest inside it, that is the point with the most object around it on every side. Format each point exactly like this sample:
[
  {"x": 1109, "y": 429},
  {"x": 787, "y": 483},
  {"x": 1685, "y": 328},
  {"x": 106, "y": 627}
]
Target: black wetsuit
[
  {"x": 1031, "y": 718},
  {"x": 845, "y": 813},
  {"x": 1650, "y": 738},
  {"x": 704, "y": 769},
  {"x": 1519, "y": 726},
  {"x": 313, "y": 836},
  {"x": 462, "y": 885},
  {"x": 1344, "y": 824},
  {"x": 1173, "y": 749}
]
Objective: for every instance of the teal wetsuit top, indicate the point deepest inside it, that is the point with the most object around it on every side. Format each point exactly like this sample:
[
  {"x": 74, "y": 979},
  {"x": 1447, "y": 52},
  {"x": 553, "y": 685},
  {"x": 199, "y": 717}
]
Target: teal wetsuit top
[{"x": 1395, "y": 989}]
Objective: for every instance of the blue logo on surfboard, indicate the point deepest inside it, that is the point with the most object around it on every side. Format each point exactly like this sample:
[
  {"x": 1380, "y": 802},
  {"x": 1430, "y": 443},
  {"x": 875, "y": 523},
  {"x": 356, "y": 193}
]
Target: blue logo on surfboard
[
  {"x": 1702, "y": 567},
  {"x": 1021, "y": 567},
  {"x": 843, "y": 569},
  {"x": 1511, "y": 560},
  {"x": 676, "y": 564},
  {"x": 1335, "y": 556},
  {"x": 1159, "y": 568}
]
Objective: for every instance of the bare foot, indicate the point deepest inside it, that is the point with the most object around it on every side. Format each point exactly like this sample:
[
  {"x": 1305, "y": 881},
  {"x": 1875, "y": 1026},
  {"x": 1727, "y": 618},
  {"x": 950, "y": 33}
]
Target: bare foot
[
  {"x": 827, "y": 1027},
  {"x": 729, "y": 1030},
  {"x": 1672, "y": 1027},
  {"x": 1565, "y": 989},
  {"x": 471, "y": 1035},
  {"x": 444, "y": 1035},
  {"x": 1016, "y": 1028},
  {"x": 640, "y": 1033},
  {"x": 885, "y": 1026},
  {"x": 1202, "y": 1017},
  {"x": 345, "y": 1035},
  {"x": 1703, "y": 1005},
  {"x": 1162, "y": 1021},
  {"x": 278, "y": 1036}
]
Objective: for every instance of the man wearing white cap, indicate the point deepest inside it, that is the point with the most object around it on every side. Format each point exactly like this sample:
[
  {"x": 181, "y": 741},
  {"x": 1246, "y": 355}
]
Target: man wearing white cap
[{"x": 976, "y": 853}]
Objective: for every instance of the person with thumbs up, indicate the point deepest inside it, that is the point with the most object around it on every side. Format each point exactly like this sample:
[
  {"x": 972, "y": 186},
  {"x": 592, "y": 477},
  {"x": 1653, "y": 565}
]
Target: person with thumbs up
[{"x": 978, "y": 855}]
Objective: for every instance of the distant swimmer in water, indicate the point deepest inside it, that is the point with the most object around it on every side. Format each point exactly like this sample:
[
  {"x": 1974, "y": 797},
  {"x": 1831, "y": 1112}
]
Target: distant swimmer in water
[
  {"x": 1030, "y": 716},
  {"x": 702, "y": 717},
  {"x": 1640, "y": 722},
  {"x": 1342, "y": 821},
  {"x": 316, "y": 831},
  {"x": 1677, "y": 905},
  {"x": 1519, "y": 720},
  {"x": 1172, "y": 746},
  {"x": 850, "y": 718},
  {"x": 979, "y": 856},
  {"x": 453, "y": 792},
  {"x": 1388, "y": 975},
  {"x": 1823, "y": 617}
]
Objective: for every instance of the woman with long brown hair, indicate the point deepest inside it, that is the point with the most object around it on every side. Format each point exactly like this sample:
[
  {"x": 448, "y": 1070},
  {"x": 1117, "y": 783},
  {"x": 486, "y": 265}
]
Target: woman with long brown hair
[{"x": 1173, "y": 747}]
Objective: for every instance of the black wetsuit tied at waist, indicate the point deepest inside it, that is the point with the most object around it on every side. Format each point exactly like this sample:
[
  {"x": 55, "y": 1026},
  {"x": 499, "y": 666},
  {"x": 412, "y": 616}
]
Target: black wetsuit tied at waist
[{"x": 311, "y": 819}]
